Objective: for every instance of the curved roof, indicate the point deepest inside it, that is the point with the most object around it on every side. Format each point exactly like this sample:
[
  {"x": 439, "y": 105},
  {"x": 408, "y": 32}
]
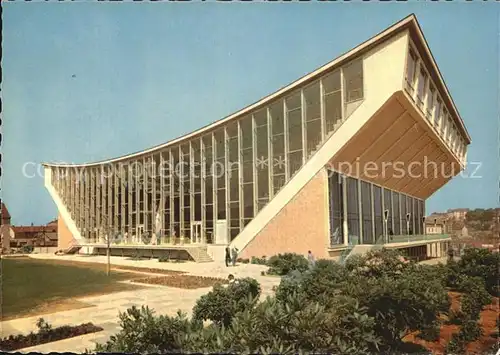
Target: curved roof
[{"x": 410, "y": 22}]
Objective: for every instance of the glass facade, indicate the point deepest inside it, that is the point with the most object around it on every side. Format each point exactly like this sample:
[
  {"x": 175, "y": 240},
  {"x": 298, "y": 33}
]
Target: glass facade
[
  {"x": 366, "y": 207},
  {"x": 206, "y": 189}
]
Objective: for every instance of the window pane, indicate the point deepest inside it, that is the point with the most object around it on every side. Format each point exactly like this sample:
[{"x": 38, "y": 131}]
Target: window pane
[
  {"x": 353, "y": 77},
  {"x": 396, "y": 214},
  {"x": 366, "y": 205},
  {"x": 404, "y": 211},
  {"x": 422, "y": 84},
  {"x": 336, "y": 208},
  {"x": 437, "y": 113},
  {"x": 389, "y": 206},
  {"x": 430, "y": 102},
  {"x": 352, "y": 210},
  {"x": 332, "y": 100},
  {"x": 411, "y": 68}
]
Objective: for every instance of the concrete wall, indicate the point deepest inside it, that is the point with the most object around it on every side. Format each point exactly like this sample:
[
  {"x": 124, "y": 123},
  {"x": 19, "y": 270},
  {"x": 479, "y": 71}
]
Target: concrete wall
[
  {"x": 45, "y": 250},
  {"x": 65, "y": 237},
  {"x": 383, "y": 69},
  {"x": 300, "y": 226}
]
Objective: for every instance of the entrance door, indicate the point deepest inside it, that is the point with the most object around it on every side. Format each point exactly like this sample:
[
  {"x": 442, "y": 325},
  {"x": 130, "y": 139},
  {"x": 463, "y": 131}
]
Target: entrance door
[
  {"x": 196, "y": 232},
  {"x": 140, "y": 232}
]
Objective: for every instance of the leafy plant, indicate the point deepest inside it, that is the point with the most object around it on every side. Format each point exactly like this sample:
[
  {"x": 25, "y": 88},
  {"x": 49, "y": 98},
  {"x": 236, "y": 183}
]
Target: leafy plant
[
  {"x": 222, "y": 303},
  {"x": 282, "y": 264},
  {"x": 483, "y": 263},
  {"x": 27, "y": 249},
  {"x": 46, "y": 334},
  {"x": 143, "y": 332},
  {"x": 259, "y": 261}
]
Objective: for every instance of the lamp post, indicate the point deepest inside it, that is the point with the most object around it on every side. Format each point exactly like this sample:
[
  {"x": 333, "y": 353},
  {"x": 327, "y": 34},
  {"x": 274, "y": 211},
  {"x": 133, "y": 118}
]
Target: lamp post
[
  {"x": 386, "y": 217},
  {"x": 408, "y": 225},
  {"x": 423, "y": 226}
]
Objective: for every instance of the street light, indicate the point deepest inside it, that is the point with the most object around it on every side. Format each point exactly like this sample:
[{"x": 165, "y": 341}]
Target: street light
[
  {"x": 408, "y": 225},
  {"x": 386, "y": 217}
]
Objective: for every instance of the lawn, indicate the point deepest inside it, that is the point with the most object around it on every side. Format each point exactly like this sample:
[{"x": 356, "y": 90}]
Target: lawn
[{"x": 32, "y": 286}]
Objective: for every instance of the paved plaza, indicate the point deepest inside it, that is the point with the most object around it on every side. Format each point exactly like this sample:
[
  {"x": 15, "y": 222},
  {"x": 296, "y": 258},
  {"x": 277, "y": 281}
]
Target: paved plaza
[{"x": 105, "y": 308}]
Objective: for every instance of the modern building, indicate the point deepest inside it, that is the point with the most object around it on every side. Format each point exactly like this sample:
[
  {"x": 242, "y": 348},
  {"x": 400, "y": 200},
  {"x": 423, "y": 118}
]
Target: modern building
[{"x": 343, "y": 157}]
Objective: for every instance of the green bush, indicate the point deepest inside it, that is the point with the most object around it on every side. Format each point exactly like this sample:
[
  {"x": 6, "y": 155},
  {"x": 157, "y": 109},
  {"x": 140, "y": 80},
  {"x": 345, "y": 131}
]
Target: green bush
[
  {"x": 259, "y": 261},
  {"x": 282, "y": 264},
  {"x": 164, "y": 259},
  {"x": 401, "y": 297},
  {"x": 378, "y": 263},
  {"x": 469, "y": 332},
  {"x": 26, "y": 249},
  {"x": 143, "y": 332},
  {"x": 222, "y": 303},
  {"x": 483, "y": 263},
  {"x": 367, "y": 305}
]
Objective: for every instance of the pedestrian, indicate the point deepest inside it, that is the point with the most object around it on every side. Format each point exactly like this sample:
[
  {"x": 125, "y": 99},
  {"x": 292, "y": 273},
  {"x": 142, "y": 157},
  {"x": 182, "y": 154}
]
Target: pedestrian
[
  {"x": 310, "y": 258},
  {"x": 235, "y": 255},
  {"x": 450, "y": 253},
  {"x": 228, "y": 256}
]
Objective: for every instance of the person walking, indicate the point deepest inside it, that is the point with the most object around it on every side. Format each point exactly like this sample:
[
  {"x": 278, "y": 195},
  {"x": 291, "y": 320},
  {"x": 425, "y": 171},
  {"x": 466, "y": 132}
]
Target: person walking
[
  {"x": 451, "y": 253},
  {"x": 228, "y": 256},
  {"x": 235, "y": 255},
  {"x": 310, "y": 258}
]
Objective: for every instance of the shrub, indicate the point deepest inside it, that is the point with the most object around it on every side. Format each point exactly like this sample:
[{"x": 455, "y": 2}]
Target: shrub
[
  {"x": 259, "y": 261},
  {"x": 164, "y": 259},
  {"x": 26, "y": 249},
  {"x": 222, "y": 303},
  {"x": 45, "y": 334},
  {"x": 143, "y": 332},
  {"x": 378, "y": 263},
  {"x": 282, "y": 264},
  {"x": 367, "y": 305},
  {"x": 469, "y": 332},
  {"x": 401, "y": 299},
  {"x": 483, "y": 263}
]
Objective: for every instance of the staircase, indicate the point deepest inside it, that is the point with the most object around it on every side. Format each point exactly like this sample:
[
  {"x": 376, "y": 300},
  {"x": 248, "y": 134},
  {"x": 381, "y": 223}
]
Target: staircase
[
  {"x": 199, "y": 255},
  {"x": 72, "y": 249}
]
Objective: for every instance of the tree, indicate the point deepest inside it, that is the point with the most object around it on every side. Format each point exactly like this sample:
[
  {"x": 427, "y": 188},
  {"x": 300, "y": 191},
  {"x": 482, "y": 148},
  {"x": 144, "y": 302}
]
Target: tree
[{"x": 108, "y": 234}]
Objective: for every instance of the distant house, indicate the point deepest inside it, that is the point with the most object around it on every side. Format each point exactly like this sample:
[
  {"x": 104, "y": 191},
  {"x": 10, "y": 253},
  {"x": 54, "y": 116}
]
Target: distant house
[
  {"x": 436, "y": 224},
  {"x": 457, "y": 213},
  {"x": 6, "y": 231},
  {"x": 37, "y": 236}
]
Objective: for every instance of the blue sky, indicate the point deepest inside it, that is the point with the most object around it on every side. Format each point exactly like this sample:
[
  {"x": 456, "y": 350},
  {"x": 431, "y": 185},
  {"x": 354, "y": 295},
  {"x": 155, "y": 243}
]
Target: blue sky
[{"x": 149, "y": 72}]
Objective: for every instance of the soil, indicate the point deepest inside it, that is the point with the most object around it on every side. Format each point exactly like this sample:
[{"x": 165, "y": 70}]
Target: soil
[
  {"x": 482, "y": 345},
  {"x": 65, "y": 332},
  {"x": 183, "y": 281}
]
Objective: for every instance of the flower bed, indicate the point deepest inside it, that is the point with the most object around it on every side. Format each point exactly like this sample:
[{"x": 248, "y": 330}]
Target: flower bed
[
  {"x": 481, "y": 346},
  {"x": 183, "y": 281},
  {"x": 46, "y": 335},
  {"x": 147, "y": 269}
]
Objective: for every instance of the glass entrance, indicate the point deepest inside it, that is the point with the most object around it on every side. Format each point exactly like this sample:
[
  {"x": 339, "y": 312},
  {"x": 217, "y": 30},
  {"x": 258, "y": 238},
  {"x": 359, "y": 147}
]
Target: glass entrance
[{"x": 196, "y": 232}]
